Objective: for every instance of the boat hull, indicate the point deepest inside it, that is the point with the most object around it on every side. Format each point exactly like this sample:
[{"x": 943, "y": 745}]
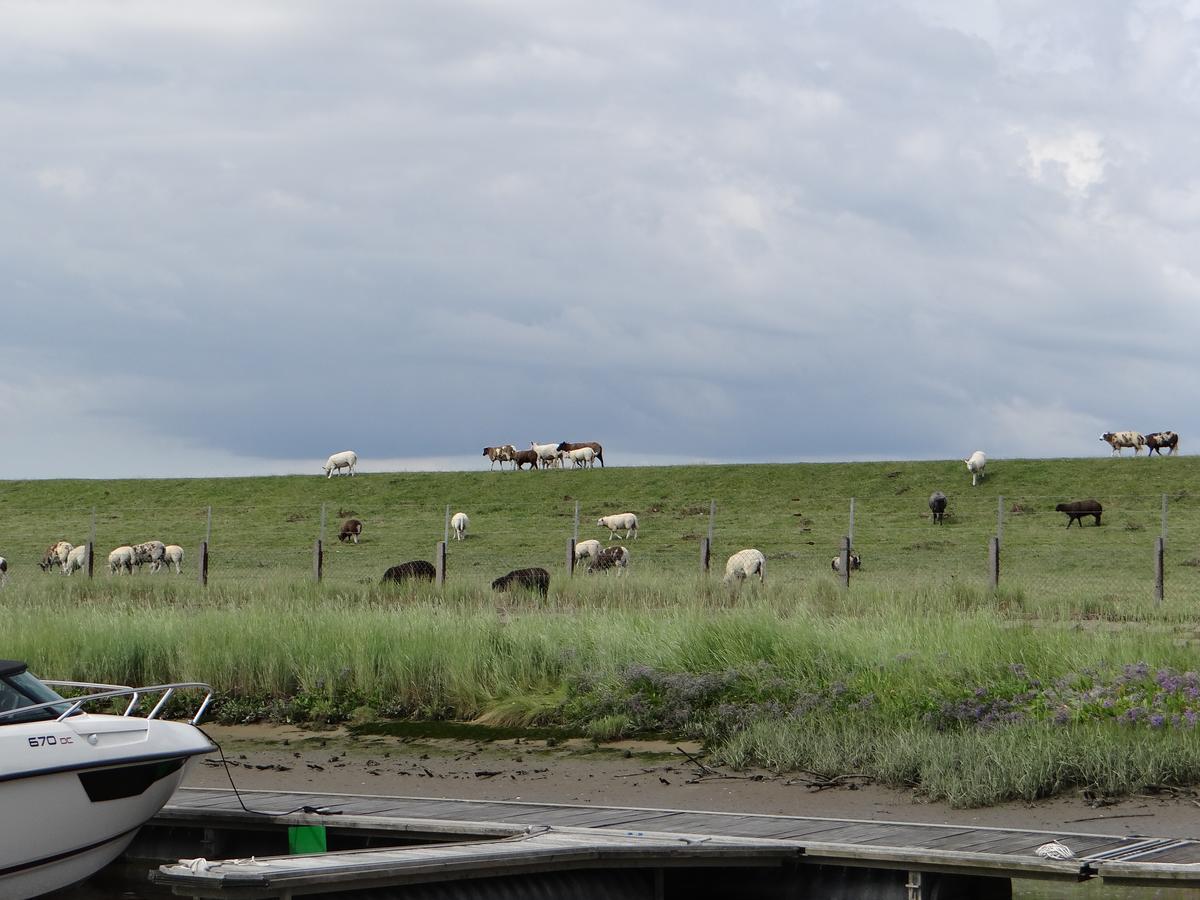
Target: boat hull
[{"x": 74, "y": 812}]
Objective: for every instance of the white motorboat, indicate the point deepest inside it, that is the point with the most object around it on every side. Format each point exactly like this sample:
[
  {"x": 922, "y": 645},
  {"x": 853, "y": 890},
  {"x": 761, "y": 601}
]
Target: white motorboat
[{"x": 75, "y": 785}]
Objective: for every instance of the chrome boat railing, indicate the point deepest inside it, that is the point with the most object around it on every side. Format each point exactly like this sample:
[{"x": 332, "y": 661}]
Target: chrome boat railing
[{"x": 113, "y": 691}]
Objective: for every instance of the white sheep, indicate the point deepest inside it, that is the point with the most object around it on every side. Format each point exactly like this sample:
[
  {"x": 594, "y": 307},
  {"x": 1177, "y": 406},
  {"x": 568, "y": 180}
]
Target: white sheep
[
  {"x": 617, "y": 521},
  {"x": 584, "y": 456},
  {"x": 745, "y": 563},
  {"x": 347, "y": 459},
  {"x": 121, "y": 558},
  {"x": 459, "y": 523},
  {"x": 975, "y": 465},
  {"x": 173, "y": 556},
  {"x": 76, "y": 559},
  {"x": 547, "y": 454},
  {"x": 589, "y": 549}
]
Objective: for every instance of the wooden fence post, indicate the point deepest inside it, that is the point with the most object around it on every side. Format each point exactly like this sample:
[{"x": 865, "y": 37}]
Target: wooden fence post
[
  {"x": 1159, "y": 547},
  {"x": 994, "y": 562},
  {"x": 439, "y": 563},
  {"x": 91, "y": 557},
  {"x": 571, "y": 557},
  {"x": 851, "y": 531},
  {"x": 705, "y": 554},
  {"x": 575, "y": 527},
  {"x": 318, "y": 560},
  {"x": 844, "y": 562},
  {"x": 204, "y": 563}
]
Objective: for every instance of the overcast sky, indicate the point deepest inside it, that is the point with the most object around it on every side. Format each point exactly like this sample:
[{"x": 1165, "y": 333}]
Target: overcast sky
[{"x": 239, "y": 236}]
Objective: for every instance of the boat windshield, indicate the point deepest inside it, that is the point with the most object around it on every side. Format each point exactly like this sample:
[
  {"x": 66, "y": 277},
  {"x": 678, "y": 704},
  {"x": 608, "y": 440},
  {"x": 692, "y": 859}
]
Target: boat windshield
[{"x": 22, "y": 689}]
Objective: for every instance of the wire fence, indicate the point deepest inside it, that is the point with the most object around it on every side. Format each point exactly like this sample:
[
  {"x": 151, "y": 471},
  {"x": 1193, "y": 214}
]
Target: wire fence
[{"x": 897, "y": 540}]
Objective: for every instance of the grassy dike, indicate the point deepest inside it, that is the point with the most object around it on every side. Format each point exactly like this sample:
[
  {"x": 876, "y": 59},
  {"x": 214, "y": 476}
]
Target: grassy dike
[{"x": 1070, "y": 675}]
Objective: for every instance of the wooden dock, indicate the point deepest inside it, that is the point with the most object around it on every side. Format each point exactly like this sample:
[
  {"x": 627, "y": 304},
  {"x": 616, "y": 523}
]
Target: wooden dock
[{"x": 481, "y": 839}]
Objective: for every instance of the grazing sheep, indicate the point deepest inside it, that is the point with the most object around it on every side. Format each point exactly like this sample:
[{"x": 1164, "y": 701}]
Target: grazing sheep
[
  {"x": 534, "y": 580},
  {"x": 976, "y": 463},
  {"x": 1119, "y": 440},
  {"x": 937, "y": 506},
  {"x": 75, "y": 560},
  {"x": 523, "y": 458},
  {"x": 173, "y": 556},
  {"x": 149, "y": 552},
  {"x": 567, "y": 447},
  {"x": 1160, "y": 439},
  {"x": 350, "y": 530},
  {"x": 55, "y": 555},
  {"x": 459, "y": 523},
  {"x": 589, "y": 549},
  {"x": 347, "y": 460},
  {"x": 745, "y": 563},
  {"x": 855, "y": 562},
  {"x": 121, "y": 559},
  {"x": 1077, "y": 509},
  {"x": 618, "y": 521},
  {"x": 611, "y": 558},
  {"x": 417, "y": 570}
]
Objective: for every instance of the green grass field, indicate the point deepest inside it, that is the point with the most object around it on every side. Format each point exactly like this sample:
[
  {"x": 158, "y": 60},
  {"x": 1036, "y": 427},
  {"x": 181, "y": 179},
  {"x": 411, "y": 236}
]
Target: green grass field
[
  {"x": 1070, "y": 674},
  {"x": 264, "y": 528}
]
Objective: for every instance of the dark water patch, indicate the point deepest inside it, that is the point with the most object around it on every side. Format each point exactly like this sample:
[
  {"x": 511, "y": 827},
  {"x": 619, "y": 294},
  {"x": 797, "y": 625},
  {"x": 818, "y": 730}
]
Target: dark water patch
[{"x": 463, "y": 731}]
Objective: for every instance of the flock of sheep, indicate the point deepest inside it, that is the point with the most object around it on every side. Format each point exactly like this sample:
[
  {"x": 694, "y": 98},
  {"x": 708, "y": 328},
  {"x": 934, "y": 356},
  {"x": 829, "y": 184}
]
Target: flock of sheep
[
  {"x": 744, "y": 564},
  {"x": 70, "y": 558},
  {"x": 547, "y": 456},
  {"x": 591, "y": 553}
]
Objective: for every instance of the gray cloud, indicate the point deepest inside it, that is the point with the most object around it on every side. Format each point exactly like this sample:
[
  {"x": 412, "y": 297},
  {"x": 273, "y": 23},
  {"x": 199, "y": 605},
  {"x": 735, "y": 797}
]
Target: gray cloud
[{"x": 244, "y": 235}]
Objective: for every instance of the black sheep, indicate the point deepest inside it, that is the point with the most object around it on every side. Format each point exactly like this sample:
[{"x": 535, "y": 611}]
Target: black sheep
[
  {"x": 937, "y": 506},
  {"x": 1077, "y": 509},
  {"x": 532, "y": 579},
  {"x": 416, "y": 569},
  {"x": 350, "y": 530}
]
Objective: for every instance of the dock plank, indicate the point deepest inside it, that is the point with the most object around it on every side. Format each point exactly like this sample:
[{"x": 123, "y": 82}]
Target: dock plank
[{"x": 572, "y": 829}]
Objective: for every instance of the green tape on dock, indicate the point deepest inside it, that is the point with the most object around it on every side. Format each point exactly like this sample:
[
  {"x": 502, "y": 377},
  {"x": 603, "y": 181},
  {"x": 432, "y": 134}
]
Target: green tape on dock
[{"x": 306, "y": 839}]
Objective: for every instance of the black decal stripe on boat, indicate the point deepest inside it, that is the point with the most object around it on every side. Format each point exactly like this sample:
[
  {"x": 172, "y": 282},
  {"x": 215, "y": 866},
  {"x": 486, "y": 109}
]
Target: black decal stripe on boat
[
  {"x": 62, "y": 857},
  {"x": 126, "y": 781},
  {"x": 94, "y": 765}
]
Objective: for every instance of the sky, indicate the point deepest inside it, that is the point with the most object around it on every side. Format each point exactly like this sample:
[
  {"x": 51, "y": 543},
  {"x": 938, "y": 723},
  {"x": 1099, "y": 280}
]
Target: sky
[{"x": 240, "y": 236}]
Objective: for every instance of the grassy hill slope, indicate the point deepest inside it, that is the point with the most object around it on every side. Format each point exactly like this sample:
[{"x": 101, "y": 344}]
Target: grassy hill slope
[{"x": 796, "y": 514}]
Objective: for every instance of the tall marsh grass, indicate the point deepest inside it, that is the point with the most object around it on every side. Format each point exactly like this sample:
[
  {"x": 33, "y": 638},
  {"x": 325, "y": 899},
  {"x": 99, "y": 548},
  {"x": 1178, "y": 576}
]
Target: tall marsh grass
[{"x": 976, "y": 697}]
